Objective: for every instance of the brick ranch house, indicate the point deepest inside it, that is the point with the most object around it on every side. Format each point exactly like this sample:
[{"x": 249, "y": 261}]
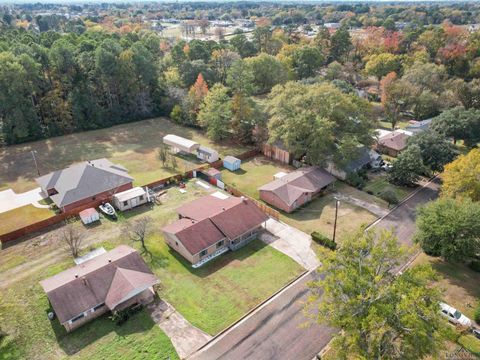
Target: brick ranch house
[
  {"x": 88, "y": 182},
  {"x": 392, "y": 143},
  {"x": 113, "y": 281},
  {"x": 212, "y": 225},
  {"x": 296, "y": 188}
]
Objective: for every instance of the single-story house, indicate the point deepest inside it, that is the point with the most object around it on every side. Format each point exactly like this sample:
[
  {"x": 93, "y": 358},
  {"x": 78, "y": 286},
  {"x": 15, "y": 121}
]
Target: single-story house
[
  {"x": 296, "y": 188},
  {"x": 206, "y": 154},
  {"x": 112, "y": 281},
  {"x": 416, "y": 127},
  {"x": 392, "y": 144},
  {"x": 212, "y": 225},
  {"x": 231, "y": 163},
  {"x": 366, "y": 158},
  {"x": 277, "y": 151},
  {"x": 88, "y": 182},
  {"x": 131, "y": 198},
  {"x": 180, "y": 144},
  {"x": 89, "y": 216}
]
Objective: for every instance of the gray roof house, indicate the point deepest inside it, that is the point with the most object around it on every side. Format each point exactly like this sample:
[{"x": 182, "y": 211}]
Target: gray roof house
[
  {"x": 365, "y": 158},
  {"x": 419, "y": 126},
  {"x": 84, "y": 182}
]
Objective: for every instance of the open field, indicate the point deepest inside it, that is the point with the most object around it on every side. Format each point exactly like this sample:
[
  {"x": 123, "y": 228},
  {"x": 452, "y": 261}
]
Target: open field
[
  {"x": 133, "y": 145},
  {"x": 211, "y": 297},
  {"x": 21, "y": 217},
  {"x": 318, "y": 215}
]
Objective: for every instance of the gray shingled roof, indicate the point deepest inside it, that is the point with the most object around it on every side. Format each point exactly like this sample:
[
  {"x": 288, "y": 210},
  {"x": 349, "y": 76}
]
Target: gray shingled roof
[{"x": 84, "y": 180}]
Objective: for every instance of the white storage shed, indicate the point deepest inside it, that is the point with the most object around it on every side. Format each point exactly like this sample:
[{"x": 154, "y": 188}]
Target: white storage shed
[
  {"x": 206, "y": 154},
  {"x": 129, "y": 199},
  {"x": 89, "y": 216}
]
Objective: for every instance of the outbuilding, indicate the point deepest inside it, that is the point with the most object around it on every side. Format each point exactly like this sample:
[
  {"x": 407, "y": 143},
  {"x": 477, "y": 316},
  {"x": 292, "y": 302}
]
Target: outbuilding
[
  {"x": 231, "y": 163},
  {"x": 89, "y": 216},
  {"x": 206, "y": 154},
  {"x": 180, "y": 144},
  {"x": 129, "y": 199}
]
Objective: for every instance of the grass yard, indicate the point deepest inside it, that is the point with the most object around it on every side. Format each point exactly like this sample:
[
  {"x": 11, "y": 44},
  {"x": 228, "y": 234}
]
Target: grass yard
[
  {"x": 378, "y": 183},
  {"x": 133, "y": 145},
  {"x": 21, "y": 217}
]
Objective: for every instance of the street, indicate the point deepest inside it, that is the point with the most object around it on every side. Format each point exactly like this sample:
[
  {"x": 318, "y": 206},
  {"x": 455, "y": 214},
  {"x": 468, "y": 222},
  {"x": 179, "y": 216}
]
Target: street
[{"x": 276, "y": 331}]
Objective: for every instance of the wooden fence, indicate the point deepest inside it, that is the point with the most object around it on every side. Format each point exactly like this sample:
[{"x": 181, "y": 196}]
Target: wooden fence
[
  {"x": 56, "y": 219},
  {"x": 265, "y": 208}
]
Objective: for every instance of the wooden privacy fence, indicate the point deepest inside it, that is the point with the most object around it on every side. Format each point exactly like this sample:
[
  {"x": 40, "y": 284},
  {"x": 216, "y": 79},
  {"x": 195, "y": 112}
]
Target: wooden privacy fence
[{"x": 265, "y": 208}]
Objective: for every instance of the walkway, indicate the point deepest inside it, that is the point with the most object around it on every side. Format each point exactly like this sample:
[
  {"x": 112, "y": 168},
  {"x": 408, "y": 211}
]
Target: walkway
[
  {"x": 373, "y": 208},
  {"x": 290, "y": 241},
  {"x": 9, "y": 200},
  {"x": 185, "y": 337}
]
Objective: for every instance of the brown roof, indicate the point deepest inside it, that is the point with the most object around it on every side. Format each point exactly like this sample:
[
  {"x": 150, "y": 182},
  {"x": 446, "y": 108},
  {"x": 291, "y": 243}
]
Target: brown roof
[
  {"x": 304, "y": 180},
  {"x": 211, "y": 219},
  {"x": 84, "y": 286},
  {"x": 195, "y": 235},
  {"x": 395, "y": 140}
]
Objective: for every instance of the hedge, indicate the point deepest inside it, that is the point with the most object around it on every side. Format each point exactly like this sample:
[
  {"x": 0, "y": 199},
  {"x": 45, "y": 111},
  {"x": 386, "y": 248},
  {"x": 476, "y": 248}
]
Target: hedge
[
  {"x": 475, "y": 265},
  {"x": 323, "y": 240}
]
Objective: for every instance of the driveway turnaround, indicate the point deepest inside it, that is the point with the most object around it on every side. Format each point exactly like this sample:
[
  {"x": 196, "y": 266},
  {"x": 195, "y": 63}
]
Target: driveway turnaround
[
  {"x": 275, "y": 330},
  {"x": 290, "y": 241},
  {"x": 185, "y": 337},
  {"x": 9, "y": 200}
]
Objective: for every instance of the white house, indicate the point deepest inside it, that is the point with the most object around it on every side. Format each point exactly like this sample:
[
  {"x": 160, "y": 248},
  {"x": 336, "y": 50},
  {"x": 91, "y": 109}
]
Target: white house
[{"x": 178, "y": 143}]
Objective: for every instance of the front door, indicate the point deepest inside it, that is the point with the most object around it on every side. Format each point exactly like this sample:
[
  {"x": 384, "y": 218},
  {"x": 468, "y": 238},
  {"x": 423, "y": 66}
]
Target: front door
[{"x": 134, "y": 202}]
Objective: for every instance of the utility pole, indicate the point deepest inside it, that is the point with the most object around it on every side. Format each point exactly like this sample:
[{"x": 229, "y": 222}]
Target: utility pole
[
  {"x": 35, "y": 160},
  {"x": 337, "y": 202}
]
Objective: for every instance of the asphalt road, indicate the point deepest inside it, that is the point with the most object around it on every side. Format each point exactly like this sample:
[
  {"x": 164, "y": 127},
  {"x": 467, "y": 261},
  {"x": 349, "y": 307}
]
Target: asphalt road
[{"x": 276, "y": 330}]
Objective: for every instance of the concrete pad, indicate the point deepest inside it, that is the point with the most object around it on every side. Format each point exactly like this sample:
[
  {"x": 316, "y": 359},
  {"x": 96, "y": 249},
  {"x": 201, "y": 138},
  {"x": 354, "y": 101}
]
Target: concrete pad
[
  {"x": 290, "y": 241},
  {"x": 185, "y": 337},
  {"x": 9, "y": 200}
]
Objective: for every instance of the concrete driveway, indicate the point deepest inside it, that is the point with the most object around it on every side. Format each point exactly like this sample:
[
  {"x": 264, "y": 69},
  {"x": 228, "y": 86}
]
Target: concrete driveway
[
  {"x": 10, "y": 200},
  {"x": 290, "y": 241},
  {"x": 185, "y": 337}
]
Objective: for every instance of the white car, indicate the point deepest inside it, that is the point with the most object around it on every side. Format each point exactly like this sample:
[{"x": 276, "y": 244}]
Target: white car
[{"x": 454, "y": 316}]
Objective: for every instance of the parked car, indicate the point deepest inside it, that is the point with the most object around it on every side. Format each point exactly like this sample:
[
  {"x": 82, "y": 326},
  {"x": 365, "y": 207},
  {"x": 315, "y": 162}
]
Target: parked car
[
  {"x": 386, "y": 166},
  {"x": 454, "y": 316},
  {"x": 476, "y": 333}
]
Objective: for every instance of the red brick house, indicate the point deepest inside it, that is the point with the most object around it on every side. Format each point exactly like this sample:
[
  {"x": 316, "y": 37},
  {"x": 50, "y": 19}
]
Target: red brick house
[
  {"x": 112, "y": 281},
  {"x": 296, "y": 188},
  {"x": 210, "y": 226},
  {"x": 85, "y": 183}
]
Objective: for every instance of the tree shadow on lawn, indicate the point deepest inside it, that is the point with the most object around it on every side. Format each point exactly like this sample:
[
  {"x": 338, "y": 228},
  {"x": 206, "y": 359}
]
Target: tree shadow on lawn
[
  {"x": 96, "y": 329},
  {"x": 221, "y": 261}
]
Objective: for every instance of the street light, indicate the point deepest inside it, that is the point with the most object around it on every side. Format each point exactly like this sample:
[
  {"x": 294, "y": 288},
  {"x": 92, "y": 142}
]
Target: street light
[{"x": 337, "y": 202}]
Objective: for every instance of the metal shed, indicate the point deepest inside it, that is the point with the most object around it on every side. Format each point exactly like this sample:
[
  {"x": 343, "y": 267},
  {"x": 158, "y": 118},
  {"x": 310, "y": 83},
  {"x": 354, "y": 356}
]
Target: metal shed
[
  {"x": 207, "y": 154},
  {"x": 178, "y": 143},
  {"x": 231, "y": 163},
  {"x": 129, "y": 199},
  {"x": 89, "y": 216}
]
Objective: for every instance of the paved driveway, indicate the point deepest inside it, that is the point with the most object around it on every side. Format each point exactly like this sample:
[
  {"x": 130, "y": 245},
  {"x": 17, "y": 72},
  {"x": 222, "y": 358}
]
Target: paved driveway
[
  {"x": 290, "y": 241},
  {"x": 9, "y": 200}
]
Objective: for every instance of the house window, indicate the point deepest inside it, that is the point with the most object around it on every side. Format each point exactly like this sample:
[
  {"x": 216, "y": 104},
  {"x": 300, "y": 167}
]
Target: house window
[
  {"x": 141, "y": 197},
  {"x": 125, "y": 203},
  {"x": 98, "y": 307},
  {"x": 77, "y": 318},
  {"x": 203, "y": 253},
  {"x": 220, "y": 243}
]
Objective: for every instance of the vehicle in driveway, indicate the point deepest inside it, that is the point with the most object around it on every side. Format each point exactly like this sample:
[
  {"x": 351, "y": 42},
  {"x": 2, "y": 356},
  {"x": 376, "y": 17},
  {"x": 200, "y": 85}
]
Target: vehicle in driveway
[{"x": 454, "y": 316}]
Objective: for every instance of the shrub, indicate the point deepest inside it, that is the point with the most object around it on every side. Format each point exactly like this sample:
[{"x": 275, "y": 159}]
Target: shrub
[
  {"x": 475, "y": 265},
  {"x": 355, "y": 180},
  {"x": 323, "y": 240},
  {"x": 389, "y": 196},
  {"x": 476, "y": 315}
]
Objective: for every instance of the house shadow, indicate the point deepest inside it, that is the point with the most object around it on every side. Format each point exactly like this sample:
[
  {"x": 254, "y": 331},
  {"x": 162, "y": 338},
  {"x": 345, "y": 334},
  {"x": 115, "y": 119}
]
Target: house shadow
[
  {"x": 221, "y": 261},
  {"x": 73, "y": 342}
]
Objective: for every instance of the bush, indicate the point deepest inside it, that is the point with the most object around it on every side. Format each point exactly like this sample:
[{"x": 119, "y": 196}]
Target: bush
[
  {"x": 355, "y": 180},
  {"x": 323, "y": 240},
  {"x": 476, "y": 315},
  {"x": 389, "y": 196},
  {"x": 475, "y": 265}
]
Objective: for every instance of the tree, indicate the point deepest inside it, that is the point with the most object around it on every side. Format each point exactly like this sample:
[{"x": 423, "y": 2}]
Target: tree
[
  {"x": 395, "y": 97},
  {"x": 245, "y": 116},
  {"x": 459, "y": 123},
  {"x": 267, "y": 70},
  {"x": 381, "y": 315},
  {"x": 318, "y": 121},
  {"x": 408, "y": 167},
  {"x": 382, "y": 64},
  {"x": 461, "y": 177},
  {"x": 138, "y": 230},
  {"x": 449, "y": 228},
  {"x": 244, "y": 47},
  {"x": 215, "y": 113},
  {"x": 389, "y": 196},
  {"x": 222, "y": 61},
  {"x": 163, "y": 154},
  {"x": 435, "y": 149},
  {"x": 72, "y": 238},
  {"x": 306, "y": 60},
  {"x": 340, "y": 44},
  {"x": 240, "y": 78},
  {"x": 196, "y": 95}
]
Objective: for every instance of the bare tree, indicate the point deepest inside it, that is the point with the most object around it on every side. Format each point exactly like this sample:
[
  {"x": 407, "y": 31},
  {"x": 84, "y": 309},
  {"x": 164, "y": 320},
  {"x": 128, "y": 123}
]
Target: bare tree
[
  {"x": 163, "y": 154},
  {"x": 138, "y": 230},
  {"x": 72, "y": 237},
  {"x": 220, "y": 33}
]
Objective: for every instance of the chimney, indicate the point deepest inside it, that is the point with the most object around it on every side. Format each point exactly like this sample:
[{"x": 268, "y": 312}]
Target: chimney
[
  {"x": 109, "y": 260},
  {"x": 244, "y": 199},
  {"x": 76, "y": 276}
]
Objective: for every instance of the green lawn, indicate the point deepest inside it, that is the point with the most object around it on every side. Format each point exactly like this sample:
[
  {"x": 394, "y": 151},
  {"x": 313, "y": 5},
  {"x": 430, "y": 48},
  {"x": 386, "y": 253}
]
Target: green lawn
[
  {"x": 21, "y": 217},
  {"x": 379, "y": 183},
  {"x": 133, "y": 145}
]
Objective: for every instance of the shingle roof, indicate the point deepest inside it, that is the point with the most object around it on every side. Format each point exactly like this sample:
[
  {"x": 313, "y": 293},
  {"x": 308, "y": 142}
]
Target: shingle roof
[
  {"x": 230, "y": 159},
  {"x": 84, "y": 286},
  {"x": 395, "y": 140},
  {"x": 304, "y": 180},
  {"x": 84, "y": 180},
  {"x": 206, "y": 206}
]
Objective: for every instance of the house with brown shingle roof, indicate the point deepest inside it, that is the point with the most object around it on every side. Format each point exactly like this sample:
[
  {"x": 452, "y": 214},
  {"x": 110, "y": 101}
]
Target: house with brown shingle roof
[
  {"x": 210, "y": 226},
  {"x": 392, "y": 143},
  {"x": 296, "y": 188},
  {"x": 112, "y": 281}
]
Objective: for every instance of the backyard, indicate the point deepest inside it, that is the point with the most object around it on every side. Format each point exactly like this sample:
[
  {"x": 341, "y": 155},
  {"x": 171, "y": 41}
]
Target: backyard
[
  {"x": 211, "y": 297},
  {"x": 22, "y": 216}
]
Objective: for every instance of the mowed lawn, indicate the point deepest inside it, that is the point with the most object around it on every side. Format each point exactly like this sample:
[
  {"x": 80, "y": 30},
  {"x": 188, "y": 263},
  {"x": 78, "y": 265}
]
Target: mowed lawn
[
  {"x": 211, "y": 297},
  {"x": 378, "y": 183},
  {"x": 318, "y": 215},
  {"x": 133, "y": 145},
  {"x": 21, "y": 217}
]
